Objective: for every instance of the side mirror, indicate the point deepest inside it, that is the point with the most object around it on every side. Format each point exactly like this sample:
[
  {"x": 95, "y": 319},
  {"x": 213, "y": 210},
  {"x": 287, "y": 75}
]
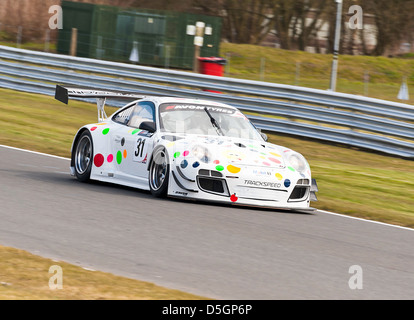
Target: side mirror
[
  {"x": 148, "y": 125},
  {"x": 264, "y": 135}
]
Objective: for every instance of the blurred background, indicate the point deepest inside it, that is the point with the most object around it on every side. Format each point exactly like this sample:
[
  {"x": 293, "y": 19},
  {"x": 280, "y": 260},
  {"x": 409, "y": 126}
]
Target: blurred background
[{"x": 288, "y": 42}]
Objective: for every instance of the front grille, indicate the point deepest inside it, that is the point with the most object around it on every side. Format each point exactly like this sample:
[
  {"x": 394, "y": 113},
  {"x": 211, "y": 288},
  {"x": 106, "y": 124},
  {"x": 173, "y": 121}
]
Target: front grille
[
  {"x": 299, "y": 193},
  {"x": 303, "y": 181},
  {"x": 212, "y": 185},
  {"x": 204, "y": 172}
]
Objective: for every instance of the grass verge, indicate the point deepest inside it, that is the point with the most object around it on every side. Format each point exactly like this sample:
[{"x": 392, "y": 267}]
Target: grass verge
[
  {"x": 25, "y": 276},
  {"x": 377, "y": 77},
  {"x": 351, "y": 181}
]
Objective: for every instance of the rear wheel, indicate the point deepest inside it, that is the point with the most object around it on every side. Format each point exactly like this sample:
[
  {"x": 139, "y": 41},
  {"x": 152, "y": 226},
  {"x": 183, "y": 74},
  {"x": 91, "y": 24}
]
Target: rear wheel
[
  {"x": 82, "y": 157},
  {"x": 159, "y": 173}
]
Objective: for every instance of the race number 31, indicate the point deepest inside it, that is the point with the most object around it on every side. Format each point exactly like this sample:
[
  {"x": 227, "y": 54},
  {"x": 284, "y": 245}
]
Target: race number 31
[{"x": 140, "y": 150}]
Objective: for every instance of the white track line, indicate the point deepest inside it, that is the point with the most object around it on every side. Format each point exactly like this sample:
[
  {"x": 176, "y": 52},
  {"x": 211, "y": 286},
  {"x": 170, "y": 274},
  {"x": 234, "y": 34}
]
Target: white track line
[
  {"x": 361, "y": 219},
  {"x": 35, "y": 152},
  {"x": 322, "y": 211}
]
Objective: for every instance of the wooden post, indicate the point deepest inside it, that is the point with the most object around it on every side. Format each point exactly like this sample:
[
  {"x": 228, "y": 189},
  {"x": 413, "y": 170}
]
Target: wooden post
[
  {"x": 74, "y": 42},
  {"x": 196, "y": 68}
]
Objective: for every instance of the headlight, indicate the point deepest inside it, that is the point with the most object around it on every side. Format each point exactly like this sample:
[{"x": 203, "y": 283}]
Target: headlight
[
  {"x": 298, "y": 162},
  {"x": 201, "y": 153}
]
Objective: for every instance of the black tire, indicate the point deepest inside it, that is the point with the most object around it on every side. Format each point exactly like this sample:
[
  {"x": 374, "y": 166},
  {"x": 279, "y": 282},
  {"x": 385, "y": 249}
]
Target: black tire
[
  {"x": 159, "y": 172},
  {"x": 83, "y": 156}
]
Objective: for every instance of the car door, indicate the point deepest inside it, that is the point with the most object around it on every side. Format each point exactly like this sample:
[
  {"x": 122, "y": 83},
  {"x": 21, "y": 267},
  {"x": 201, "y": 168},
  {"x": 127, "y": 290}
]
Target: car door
[{"x": 132, "y": 146}]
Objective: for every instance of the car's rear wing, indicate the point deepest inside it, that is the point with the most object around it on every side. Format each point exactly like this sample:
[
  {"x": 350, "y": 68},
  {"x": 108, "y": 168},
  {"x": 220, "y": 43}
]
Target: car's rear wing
[{"x": 64, "y": 93}]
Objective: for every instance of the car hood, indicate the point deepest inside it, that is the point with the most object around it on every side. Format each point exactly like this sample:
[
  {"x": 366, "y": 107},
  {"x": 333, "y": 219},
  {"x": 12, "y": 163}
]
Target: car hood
[{"x": 227, "y": 150}]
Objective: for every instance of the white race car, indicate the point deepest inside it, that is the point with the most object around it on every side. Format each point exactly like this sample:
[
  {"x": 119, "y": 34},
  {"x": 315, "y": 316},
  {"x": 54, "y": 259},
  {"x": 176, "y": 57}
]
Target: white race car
[{"x": 188, "y": 148}]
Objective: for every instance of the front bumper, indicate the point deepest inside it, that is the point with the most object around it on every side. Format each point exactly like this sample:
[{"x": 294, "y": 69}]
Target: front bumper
[{"x": 251, "y": 186}]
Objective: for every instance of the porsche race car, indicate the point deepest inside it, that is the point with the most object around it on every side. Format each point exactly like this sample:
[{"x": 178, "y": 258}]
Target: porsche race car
[{"x": 187, "y": 148}]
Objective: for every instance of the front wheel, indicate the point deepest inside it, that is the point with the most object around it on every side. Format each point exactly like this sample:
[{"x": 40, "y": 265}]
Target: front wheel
[
  {"x": 159, "y": 173},
  {"x": 82, "y": 157}
]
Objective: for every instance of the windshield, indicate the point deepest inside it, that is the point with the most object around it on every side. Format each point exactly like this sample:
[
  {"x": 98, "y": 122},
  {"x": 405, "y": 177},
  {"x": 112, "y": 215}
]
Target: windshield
[{"x": 206, "y": 120}]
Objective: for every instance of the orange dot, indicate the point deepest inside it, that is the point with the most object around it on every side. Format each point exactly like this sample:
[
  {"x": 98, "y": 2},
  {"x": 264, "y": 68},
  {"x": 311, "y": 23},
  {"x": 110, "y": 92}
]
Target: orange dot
[
  {"x": 125, "y": 153},
  {"x": 233, "y": 169}
]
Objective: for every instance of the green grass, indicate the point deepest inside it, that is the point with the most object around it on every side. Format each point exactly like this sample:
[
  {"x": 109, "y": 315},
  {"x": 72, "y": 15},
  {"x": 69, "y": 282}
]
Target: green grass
[
  {"x": 25, "y": 276},
  {"x": 350, "y": 181},
  {"x": 385, "y": 74}
]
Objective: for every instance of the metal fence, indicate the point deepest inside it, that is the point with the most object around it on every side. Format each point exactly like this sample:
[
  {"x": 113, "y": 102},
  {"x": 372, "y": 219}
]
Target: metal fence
[{"x": 359, "y": 121}]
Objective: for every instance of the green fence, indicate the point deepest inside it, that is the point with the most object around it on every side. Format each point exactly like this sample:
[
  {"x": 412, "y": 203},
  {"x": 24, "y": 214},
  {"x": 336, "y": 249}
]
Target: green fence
[{"x": 149, "y": 37}]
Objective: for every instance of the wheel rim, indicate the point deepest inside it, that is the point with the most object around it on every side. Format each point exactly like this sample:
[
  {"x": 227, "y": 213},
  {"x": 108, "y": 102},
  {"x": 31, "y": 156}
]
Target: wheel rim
[
  {"x": 83, "y": 155},
  {"x": 158, "y": 171}
]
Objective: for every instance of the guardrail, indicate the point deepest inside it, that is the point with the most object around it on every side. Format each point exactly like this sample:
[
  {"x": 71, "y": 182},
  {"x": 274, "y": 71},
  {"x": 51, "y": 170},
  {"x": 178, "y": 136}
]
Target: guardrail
[{"x": 369, "y": 123}]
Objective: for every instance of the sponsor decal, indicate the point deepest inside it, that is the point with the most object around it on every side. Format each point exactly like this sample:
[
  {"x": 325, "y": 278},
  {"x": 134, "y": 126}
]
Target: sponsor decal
[
  {"x": 198, "y": 108},
  {"x": 262, "y": 172},
  {"x": 181, "y": 193},
  {"x": 263, "y": 184}
]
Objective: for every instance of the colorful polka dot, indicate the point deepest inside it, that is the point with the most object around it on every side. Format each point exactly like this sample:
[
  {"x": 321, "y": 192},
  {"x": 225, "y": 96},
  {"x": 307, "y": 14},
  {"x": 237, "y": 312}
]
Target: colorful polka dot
[
  {"x": 98, "y": 160},
  {"x": 177, "y": 154},
  {"x": 219, "y": 168},
  {"x": 291, "y": 169},
  {"x": 233, "y": 169},
  {"x": 105, "y": 131},
  {"x": 196, "y": 164},
  {"x": 274, "y": 160},
  {"x": 93, "y": 128},
  {"x": 184, "y": 164},
  {"x": 110, "y": 158},
  {"x": 287, "y": 183},
  {"x": 125, "y": 153},
  {"x": 234, "y": 198},
  {"x": 135, "y": 131},
  {"x": 279, "y": 176},
  {"x": 266, "y": 163},
  {"x": 216, "y": 161},
  {"x": 119, "y": 157},
  {"x": 185, "y": 153},
  {"x": 275, "y": 154}
]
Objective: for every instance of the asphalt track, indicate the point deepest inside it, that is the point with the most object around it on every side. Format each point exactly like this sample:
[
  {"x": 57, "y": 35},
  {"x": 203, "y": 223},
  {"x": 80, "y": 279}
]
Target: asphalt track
[{"x": 217, "y": 251}]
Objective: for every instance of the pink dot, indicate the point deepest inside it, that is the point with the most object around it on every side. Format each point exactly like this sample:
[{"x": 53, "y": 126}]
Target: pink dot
[
  {"x": 93, "y": 128},
  {"x": 110, "y": 158},
  {"x": 185, "y": 153},
  {"x": 266, "y": 163},
  {"x": 274, "y": 160},
  {"x": 98, "y": 160},
  {"x": 216, "y": 162}
]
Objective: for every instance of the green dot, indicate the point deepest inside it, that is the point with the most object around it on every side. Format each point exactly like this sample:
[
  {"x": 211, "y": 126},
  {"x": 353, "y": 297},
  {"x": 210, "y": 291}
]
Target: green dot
[
  {"x": 291, "y": 169},
  {"x": 119, "y": 157},
  {"x": 135, "y": 131},
  {"x": 176, "y": 155},
  {"x": 105, "y": 131},
  {"x": 219, "y": 168}
]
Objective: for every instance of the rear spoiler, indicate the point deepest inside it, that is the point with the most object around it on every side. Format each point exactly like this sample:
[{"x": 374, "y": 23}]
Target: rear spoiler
[{"x": 63, "y": 94}]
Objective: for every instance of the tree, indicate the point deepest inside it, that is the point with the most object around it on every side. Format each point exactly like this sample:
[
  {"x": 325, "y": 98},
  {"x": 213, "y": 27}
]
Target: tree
[{"x": 392, "y": 19}]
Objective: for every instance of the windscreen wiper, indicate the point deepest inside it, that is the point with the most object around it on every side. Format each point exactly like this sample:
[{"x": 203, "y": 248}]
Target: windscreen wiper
[{"x": 214, "y": 122}]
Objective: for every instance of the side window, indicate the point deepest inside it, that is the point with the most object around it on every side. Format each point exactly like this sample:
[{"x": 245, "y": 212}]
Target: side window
[
  {"x": 123, "y": 116},
  {"x": 142, "y": 111}
]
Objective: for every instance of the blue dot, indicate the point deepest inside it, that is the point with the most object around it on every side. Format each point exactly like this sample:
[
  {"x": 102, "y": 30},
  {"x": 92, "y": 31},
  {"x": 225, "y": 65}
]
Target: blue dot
[
  {"x": 287, "y": 183},
  {"x": 196, "y": 164},
  {"x": 184, "y": 164}
]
